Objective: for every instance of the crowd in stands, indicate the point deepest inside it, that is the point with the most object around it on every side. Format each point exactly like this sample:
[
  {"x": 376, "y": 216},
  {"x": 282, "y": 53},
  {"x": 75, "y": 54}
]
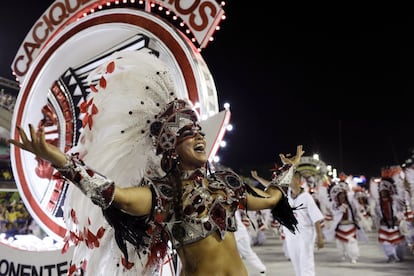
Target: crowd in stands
[
  {"x": 6, "y": 174},
  {"x": 14, "y": 217},
  {"x": 7, "y": 101}
]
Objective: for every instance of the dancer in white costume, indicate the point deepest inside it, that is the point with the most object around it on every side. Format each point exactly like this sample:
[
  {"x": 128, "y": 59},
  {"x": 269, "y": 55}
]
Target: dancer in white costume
[
  {"x": 151, "y": 145},
  {"x": 344, "y": 226},
  {"x": 300, "y": 247},
  {"x": 364, "y": 207}
]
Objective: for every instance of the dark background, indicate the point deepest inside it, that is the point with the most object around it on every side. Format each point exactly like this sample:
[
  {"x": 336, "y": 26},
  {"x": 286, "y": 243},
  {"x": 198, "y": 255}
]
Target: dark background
[{"x": 337, "y": 78}]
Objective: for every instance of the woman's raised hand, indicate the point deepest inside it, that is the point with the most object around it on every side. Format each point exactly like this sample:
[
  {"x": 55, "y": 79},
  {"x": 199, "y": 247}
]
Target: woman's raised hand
[
  {"x": 292, "y": 160},
  {"x": 38, "y": 146}
]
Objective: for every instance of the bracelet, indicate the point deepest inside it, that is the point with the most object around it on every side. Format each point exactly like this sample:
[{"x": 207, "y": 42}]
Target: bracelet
[
  {"x": 68, "y": 170},
  {"x": 100, "y": 189}
]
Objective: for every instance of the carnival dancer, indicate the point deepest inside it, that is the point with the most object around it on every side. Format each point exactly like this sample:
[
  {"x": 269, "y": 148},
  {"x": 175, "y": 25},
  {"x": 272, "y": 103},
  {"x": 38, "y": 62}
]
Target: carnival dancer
[
  {"x": 134, "y": 123},
  {"x": 325, "y": 203},
  {"x": 300, "y": 246},
  {"x": 390, "y": 212},
  {"x": 409, "y": 214},
  {"x": 363, "y": 208},
  {"x": 344, "y": 227}
]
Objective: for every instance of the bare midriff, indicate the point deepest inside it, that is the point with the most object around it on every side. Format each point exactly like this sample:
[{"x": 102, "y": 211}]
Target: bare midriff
[{"x": 212, "y": 256}]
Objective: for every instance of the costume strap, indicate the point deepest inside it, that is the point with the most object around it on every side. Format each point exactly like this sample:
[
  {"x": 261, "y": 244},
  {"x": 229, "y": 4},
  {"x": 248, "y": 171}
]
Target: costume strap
[{"x": 97, "y": 187}]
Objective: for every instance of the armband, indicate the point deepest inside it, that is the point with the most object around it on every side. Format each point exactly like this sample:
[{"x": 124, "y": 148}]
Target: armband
[{"x": 97, "y": 187}]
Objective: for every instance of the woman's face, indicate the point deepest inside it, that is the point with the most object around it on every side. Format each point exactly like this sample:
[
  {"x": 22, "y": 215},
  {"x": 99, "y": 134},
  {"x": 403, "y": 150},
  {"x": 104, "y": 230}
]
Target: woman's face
[{"x": 191, "y": 149}]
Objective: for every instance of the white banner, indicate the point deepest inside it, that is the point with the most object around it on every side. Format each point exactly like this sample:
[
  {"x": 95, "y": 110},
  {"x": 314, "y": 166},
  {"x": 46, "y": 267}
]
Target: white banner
[{"x": 15, "y": 261}]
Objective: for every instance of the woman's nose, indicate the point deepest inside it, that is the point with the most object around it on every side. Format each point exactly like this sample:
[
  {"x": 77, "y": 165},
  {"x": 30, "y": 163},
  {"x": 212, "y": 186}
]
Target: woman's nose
[{"x": 200, "y": 134}]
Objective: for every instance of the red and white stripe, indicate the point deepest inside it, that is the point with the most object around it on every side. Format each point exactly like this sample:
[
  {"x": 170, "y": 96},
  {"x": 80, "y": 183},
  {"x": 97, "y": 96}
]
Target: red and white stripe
[
  {"x": 346, "y": 232},
  {"x": 391, "y": 235}
]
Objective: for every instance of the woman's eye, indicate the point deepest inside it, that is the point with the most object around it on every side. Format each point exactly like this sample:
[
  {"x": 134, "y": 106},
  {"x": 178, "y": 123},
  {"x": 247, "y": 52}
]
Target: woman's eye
[{"x": 187, "y": 133}]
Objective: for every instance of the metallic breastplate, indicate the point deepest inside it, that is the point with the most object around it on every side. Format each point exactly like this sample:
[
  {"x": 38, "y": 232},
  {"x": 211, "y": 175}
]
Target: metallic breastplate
[{"x": 209, "y": 203}]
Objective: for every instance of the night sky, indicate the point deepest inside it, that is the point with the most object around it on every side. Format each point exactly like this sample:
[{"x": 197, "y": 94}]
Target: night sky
[{"x": 336, "y": 78}]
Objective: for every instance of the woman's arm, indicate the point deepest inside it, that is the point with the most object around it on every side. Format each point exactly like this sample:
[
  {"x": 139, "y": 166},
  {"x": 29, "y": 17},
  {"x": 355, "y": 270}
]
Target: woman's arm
[
  {"x": 273, "y": 193},
  {"x": 262, "y": 181},
  {"x": 273, "y": 197},
  {"x": 135, "y": 201},
  {"x": 319, "y": 236},
  {"x": 101, "y": 190},
  {"x": 39, "y": 147},
  {"x": 267, "y": 200}
]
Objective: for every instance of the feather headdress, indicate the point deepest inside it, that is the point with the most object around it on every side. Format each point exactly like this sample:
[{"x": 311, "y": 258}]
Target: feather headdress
[{"x": 128, "y": 93}]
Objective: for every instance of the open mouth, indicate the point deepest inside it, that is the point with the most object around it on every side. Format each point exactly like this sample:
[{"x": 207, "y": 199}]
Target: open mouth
[{"x": 200, "y": 147}]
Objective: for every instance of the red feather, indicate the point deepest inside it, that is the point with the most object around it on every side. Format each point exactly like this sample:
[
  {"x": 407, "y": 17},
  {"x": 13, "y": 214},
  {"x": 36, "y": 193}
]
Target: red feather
[
  {"x": 102, "y": 82},
  {"x": 93, "y": 88},
  {"x": 110, "y": 67}
]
